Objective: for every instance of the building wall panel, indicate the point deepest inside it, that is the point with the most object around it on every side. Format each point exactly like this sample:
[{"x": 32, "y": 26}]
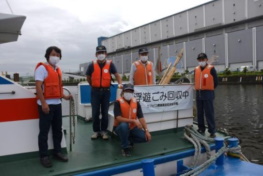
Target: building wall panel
[
  {"x": 118, "y": 63},
  {"x": 240, "y": 46},
  {"x": 259, "y": 43},
  {"x": 126, "y": 62},
  {"x": 127, "y": 39},
  {"x": 213, "y": 13},
  {"x": 196, "y": 19},
  {"x": 145, "y": 31},
  {"x": 174, "y": 49},
  {"x": 234, "y": 10},
  {"x": 193, "y": 48},
  {"x": 112, "y": 44},
  {"x": 119, "y": 39},
  {"x": 180, "y": 24},
  {"x": 167, "y": 27},
  {"x": 255, "y": 8},
  {"x": 136, "y": 37},
  {"x": 215, "y": 46},
  {"x": 164, "y": 55},
  {"x": 135, "y": 55},
  {"x": 155, "y": 31},
  {"x": 106, "y": 44}
]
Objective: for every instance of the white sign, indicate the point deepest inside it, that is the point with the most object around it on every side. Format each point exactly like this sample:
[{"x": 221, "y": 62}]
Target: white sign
[{"x": 164, "y": 98}]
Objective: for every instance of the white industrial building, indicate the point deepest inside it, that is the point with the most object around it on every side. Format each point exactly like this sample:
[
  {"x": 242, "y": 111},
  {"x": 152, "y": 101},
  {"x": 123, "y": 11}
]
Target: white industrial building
[{"x": 230, "y": 29}]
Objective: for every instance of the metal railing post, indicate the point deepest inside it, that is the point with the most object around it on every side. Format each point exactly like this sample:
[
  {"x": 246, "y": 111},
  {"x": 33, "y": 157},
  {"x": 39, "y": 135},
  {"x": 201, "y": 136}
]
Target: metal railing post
[
  {"x": 219, "y": 141},
  {"x": 148, "y": 167}
]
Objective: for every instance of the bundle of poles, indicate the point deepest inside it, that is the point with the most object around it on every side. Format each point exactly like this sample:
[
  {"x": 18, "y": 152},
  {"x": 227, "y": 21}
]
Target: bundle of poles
[{"x": 166, "y": 78}]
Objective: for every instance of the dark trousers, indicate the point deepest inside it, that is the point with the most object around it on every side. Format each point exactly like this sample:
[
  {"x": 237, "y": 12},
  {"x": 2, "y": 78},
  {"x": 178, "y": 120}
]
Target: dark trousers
[
  {"x": 54, "y": 119},
  {"x": 100, "y": 99},
  {"x": 205, "y": 108}
]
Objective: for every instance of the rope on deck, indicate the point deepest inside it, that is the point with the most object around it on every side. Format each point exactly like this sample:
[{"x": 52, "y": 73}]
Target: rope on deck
[{"x": 197, "y": 139}]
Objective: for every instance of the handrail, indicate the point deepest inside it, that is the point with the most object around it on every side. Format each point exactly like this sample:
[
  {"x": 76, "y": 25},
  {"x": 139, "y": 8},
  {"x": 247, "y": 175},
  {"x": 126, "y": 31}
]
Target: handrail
[
  {"x": 71, "y": 121},
  {"x": 12, "y": 92}
]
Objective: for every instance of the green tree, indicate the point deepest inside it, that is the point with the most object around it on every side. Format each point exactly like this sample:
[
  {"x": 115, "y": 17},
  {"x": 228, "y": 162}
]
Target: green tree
[
  {"x": 245, "y": 70},
  {"x": 227, "y": 71}
]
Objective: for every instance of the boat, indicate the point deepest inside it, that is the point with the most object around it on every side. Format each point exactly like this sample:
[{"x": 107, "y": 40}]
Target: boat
[
  {"x": 169, "y": 118},
  {"x": 169, "y": 153}
]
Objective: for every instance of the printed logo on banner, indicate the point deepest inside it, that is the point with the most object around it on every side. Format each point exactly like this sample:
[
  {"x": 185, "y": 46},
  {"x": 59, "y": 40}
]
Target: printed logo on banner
[{"x": 164, "y": 98}]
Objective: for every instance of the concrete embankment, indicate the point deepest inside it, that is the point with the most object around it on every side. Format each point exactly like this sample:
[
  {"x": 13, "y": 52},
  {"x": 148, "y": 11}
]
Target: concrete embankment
[{"x": 247, "y": 79}]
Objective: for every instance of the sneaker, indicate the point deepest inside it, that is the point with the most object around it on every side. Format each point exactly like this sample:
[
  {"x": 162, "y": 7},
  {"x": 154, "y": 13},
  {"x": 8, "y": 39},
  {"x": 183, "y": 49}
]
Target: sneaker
[
  {"x": 95, "y": 135},
  {"x": 60, "y": 157},
  {"x": 201, "y": 131},
  {"x": 104, "y": 135},
  {"x": 126, "y": 152},
  {"x": 45, "y": 161}
]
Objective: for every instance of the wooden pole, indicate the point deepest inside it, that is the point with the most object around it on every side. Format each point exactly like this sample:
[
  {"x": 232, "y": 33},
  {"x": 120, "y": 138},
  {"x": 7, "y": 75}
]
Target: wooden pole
[{"x": 170, "y": 71}]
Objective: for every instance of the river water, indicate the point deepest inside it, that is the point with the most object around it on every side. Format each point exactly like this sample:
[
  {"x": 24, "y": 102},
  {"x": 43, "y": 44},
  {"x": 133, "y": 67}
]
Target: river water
[{"x": 239, "y": 110}]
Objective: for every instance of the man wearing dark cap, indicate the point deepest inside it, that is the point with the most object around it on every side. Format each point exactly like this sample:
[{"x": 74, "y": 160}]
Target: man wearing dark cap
[
  {"x": 142, "y": 72},
  {"x": 129, "y": 122},
  {"x": 205, "y": 83},
  {"x": 99, "y": 77}
]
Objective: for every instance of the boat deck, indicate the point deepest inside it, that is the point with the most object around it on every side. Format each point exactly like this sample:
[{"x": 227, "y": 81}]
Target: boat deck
[
  {"x": 90, "y": 154},
  {"x": 234, "y": 166}
]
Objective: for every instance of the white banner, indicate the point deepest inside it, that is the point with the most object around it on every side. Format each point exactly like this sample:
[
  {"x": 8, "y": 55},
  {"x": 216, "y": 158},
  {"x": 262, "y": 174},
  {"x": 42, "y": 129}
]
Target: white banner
[{"x": 164, "y": 98}]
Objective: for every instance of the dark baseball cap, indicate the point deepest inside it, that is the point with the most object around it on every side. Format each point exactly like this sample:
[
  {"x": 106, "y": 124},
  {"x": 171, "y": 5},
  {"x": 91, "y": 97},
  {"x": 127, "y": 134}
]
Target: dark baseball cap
[
  {"x": 143, "y": 50},
  {"x": 101, "y": 48},
  {"x": 128, "y": 87},
  {"x": 202, "y": 56}
]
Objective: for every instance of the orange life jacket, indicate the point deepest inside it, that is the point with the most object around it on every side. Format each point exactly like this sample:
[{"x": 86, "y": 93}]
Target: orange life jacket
[
  {"x": 53, "y": 82},
  {"x": 128, "y": 110},
  {"x": 143, "y": 74},
  {"x": 101, "y": 77},
  {"x": 203, "y": 79}
]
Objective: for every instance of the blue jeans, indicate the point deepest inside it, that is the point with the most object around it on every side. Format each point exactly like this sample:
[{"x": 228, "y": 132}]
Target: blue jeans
[
  {"x": 100, "y": 99},
  {"x": 128, "y": 136}
]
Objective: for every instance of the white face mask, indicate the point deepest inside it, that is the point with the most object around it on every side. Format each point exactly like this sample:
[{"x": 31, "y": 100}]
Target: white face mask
[
  {"x": 128, "y": 96},
  {"x": 202, "y": 64},
  {"x": 54, "y": 60},
  {"x": 101, "y": 57},
  {"x": 144, "y": 58}
]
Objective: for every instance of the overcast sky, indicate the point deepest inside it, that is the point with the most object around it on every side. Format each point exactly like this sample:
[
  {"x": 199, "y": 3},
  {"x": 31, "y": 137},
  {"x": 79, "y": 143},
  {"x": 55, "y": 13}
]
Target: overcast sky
[{"x": 74, "y": 26}]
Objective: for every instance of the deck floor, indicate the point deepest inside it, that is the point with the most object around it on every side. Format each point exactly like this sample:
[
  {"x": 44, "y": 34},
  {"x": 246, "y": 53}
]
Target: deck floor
[{"x": 90, "y": 154}]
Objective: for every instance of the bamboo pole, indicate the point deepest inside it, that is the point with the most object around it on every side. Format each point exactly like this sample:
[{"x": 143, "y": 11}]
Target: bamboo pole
[
  {"x": 165, "y": 74},
  {"x": 171, "y": 70}
]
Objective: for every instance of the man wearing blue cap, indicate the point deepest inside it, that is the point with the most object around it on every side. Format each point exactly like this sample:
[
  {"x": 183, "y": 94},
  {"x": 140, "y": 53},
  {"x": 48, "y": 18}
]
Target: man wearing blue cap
[
  {"x": 129, "y": 123},
  {"x": 205, "y": 84},
  {"x": 142, "y": 72},
  {"x": 99, "y": 77}
]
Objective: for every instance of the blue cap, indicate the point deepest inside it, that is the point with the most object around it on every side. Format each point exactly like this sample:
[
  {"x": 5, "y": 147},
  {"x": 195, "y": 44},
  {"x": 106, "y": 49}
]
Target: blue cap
[
  {"x": 101, "y": 48},
  {"x": 143, "y": 50},
  {"x": 202, "y": 56},
  {"x": 128, "y": 87}
]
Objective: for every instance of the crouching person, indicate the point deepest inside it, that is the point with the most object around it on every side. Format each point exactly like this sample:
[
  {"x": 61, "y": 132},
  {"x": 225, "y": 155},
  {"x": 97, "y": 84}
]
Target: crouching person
[{"x": 129, "y": 122}]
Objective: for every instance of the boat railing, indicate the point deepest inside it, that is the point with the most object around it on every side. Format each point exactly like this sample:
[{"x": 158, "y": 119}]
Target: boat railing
[
  {"x": 148, "y": 165},
  {"x": 11, "y": 92},
  {"x": 72, "y": 121}
]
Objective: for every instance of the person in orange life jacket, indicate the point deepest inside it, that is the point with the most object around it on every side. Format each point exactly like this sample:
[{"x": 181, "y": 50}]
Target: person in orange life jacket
[
  {"x": 205, "y": 83},
  {"x": 48, "y": 77},
  {"x": 129, "y": 123},
  {"x": 99, "y": 77},
  {"x": 142, "y": 72}
]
